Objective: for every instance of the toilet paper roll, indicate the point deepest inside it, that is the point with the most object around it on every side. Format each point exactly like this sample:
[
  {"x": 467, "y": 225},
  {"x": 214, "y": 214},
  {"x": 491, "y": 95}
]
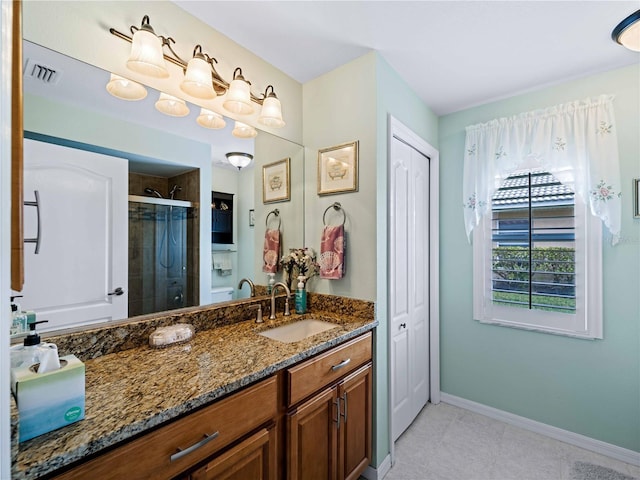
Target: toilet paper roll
[{"x": 49, "y": 359}]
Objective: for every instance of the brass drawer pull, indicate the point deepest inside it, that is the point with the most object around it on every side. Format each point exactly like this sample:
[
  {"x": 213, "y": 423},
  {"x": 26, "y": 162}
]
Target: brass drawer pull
[
  {"x": 343, "y": 363},
  {"x": 181, "y": 453}
]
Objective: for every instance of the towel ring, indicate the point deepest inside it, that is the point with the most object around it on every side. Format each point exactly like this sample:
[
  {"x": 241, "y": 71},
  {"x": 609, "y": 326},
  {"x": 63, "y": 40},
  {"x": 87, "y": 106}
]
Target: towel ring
[
  {"x": 336, "y": 206},
  {"x": 275, "y": 212}
]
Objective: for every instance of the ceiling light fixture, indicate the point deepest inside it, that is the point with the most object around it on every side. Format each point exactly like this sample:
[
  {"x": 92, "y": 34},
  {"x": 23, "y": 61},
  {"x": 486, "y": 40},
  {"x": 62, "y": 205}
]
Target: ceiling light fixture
[
  {"x": 209, "y": 119},
  {"x": 201, "y": 80},
  {"x": 125, "y": 89},
  {"x": 172, "y": 106},
  {"x": 239, "y": 159},
  {"x": 627, "y": 32},
  {"x": 242, "y": 130}
]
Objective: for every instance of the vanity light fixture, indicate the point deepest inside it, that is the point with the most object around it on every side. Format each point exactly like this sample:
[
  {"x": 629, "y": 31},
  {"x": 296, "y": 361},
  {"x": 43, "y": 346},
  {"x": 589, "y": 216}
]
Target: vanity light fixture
[
  {"x": 197, "y": 79},
  {"x": 146, "y": 51},
  {"x": 125, "y": 89},
  {"x": 242, "y": 130},
  {"x": 172, "y": 106},
  {"x": 627, "y": 32},
  {"x": 238, "y": 99},
  {"x": 271, "y": 113},
  {"x": 209, "y": 119},
  {"x": 239, "y": 159},
  {"x": 201, "y": 80}
]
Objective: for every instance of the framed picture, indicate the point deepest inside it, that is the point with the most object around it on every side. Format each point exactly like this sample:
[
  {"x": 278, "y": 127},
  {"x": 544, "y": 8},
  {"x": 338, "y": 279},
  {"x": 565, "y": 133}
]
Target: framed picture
[
  {"x": 252, "y": 217},
  {"x": 276, "y": 182},
  {"x": 636, "y": 198},
  {"x": 338, "y": 169}
]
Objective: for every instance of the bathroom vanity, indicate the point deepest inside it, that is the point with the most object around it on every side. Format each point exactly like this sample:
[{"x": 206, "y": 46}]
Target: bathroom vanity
[{"x": 230, "y": 403}]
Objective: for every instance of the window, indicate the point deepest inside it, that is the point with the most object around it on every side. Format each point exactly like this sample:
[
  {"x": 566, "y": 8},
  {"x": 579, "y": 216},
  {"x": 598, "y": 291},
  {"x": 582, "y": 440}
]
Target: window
[{"x": 537, "y": 260}]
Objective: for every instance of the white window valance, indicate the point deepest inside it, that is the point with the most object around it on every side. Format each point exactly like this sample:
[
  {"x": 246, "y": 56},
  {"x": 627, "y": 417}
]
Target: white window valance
[{"x": 576, "y": 142}]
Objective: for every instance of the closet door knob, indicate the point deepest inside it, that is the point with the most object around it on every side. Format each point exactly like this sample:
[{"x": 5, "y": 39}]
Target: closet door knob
[
  {"x": 403, "y": 325},
  {"x": 118, "y": 291}
]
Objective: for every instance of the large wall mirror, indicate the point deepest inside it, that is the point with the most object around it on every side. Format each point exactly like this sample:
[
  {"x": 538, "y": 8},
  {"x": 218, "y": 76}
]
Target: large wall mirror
[{"x": 172, "y": 166}]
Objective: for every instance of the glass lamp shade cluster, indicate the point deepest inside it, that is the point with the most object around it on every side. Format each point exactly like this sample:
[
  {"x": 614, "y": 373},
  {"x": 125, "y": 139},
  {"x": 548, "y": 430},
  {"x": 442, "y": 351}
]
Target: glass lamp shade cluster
[{"x": 147, "y": 58}]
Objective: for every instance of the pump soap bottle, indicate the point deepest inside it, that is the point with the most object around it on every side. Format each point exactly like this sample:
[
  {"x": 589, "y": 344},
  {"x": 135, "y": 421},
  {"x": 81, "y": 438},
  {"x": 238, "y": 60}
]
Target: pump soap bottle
[
  {"x": 18, "y": 317},
  {"x": 301, "y": 296}
]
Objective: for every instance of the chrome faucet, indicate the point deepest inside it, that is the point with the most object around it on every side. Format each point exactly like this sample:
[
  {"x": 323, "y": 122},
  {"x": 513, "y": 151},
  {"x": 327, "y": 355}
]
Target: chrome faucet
[
  {"x": 272, "y": 313},
  {"x": 251, "y": 285}
]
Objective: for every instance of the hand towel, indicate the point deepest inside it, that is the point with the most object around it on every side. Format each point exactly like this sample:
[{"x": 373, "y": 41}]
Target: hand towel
[
  {"x": 332, "y": 252},
  {"x": 271, "y": 250}
]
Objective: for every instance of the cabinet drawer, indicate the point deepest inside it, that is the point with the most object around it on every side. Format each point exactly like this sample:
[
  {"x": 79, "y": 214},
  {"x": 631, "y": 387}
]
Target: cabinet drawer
[
  {"x": 150, "y": 456},
  {"x": 314, "y": 374}
]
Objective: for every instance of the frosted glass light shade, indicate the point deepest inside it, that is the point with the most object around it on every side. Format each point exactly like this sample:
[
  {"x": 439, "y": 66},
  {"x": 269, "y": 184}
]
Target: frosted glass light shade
[
  {"x": 209, "y": 119},
  {"x": 271, "y": 113},
  {"x": 197, "y": 79},
  {"x": 125, "y": 89},
  {"x": 242, "y": 130},
  {"x": 146, "y": 55},
  {"x": 173, "y": 106},
  {"x": 239, "y": 159},
  {"x": 238, "y": 98},
  {"x": 627, "y": 33}
]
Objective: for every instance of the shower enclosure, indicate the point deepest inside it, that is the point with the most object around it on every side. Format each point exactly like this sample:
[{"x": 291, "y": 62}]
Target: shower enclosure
[{"x": 160, "y": 254}]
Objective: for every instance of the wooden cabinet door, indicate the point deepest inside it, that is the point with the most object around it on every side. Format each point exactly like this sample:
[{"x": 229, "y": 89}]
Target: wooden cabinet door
[
  {"x": 354, "y": 438},
  {"x": 254, "y": 458},
  {"x": 312, "y": 438}
]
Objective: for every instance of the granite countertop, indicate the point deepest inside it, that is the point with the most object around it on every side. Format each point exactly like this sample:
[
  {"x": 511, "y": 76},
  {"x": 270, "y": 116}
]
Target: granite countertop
[{"x": 130, "y": 391}]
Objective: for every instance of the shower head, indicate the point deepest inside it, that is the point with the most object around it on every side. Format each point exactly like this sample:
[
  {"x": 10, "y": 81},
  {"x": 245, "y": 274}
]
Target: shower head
[
  {"x": 151, "y": 191},
  {"x": 173, "y": 191}
]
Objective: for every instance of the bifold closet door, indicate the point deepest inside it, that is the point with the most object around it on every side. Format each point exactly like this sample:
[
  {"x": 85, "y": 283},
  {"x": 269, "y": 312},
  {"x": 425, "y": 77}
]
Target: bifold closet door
[{"x": 408, "y": 283}]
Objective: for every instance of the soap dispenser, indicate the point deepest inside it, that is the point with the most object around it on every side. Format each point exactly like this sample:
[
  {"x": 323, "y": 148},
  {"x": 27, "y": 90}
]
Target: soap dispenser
[
  {"x": 271, "y": 283},
  {"x": 301, "y": 296},
  {"x": 29, "y": 352},
  {"x": 18, "y": 317}
]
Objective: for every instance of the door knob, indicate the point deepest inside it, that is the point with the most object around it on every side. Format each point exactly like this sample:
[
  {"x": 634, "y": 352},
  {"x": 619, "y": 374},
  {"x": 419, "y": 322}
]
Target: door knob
[
  {"x": 403, "y": 325},
  {"x": 118, "y": 291}
]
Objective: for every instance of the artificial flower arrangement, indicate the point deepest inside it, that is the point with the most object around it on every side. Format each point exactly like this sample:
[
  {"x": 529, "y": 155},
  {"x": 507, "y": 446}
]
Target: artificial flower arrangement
[{"x": 299, "y": 261}]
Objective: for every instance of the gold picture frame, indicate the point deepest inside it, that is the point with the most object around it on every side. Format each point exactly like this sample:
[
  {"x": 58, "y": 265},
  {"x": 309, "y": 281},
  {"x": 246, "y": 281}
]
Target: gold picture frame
[
  {"x": 338, "y": 169},
  {"x": 276, "y": 182}
]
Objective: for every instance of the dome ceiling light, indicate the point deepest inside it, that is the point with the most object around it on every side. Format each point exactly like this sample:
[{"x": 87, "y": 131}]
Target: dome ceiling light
[{"x": 627, "y": 32}]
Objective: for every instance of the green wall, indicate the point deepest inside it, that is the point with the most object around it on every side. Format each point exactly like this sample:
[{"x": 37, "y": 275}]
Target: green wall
[
  {"x": 353, "y": 103},
  {"x": 584, "y": 386}
]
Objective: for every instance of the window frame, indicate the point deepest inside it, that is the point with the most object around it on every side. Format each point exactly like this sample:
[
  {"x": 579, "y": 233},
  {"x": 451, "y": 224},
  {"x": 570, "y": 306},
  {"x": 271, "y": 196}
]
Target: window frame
[{"x": 586, "y": 322}]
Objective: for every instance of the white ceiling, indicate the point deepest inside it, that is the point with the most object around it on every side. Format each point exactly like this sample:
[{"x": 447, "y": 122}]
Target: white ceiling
[{"x": 453, "y": 54}]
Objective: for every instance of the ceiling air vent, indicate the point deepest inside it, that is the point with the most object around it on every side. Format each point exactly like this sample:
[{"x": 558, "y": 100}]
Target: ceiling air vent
[{"x": 39, "y": 71}]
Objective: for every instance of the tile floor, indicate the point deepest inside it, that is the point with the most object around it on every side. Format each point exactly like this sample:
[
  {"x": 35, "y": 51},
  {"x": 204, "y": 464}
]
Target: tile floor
[{"x": 450, "y": 443}]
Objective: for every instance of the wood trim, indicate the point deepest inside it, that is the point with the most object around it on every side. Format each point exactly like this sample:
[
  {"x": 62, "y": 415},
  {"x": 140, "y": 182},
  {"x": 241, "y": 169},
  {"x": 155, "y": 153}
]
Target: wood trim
[{"x": 17, "y": 135}]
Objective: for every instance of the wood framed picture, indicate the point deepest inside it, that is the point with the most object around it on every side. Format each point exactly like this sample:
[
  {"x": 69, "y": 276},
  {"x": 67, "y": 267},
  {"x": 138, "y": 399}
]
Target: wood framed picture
[
  {"x": 276, "y": 182},
  {"x": 636, "y": 198},
  {"x": 338, "y": 169}
]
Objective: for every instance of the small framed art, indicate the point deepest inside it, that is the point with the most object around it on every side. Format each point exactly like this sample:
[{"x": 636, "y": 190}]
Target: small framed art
[
  {"x": 276, "y": 182},
  {"x": 338, "y": 169}
]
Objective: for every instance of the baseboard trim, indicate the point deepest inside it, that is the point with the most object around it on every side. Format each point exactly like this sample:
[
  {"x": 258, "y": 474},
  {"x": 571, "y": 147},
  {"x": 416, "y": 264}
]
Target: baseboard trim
[
  {"x": 379, "y": 473},
  {"x": 582, "y": 441}
]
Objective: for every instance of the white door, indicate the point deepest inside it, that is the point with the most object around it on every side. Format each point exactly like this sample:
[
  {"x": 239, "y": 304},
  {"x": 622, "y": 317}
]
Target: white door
[
  {"x": 82, "y": 250},
  {"x": 408, "y": 283}
]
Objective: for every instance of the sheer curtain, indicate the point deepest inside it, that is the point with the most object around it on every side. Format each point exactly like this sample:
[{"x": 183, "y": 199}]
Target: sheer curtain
[{"x": 575, "y": 141}]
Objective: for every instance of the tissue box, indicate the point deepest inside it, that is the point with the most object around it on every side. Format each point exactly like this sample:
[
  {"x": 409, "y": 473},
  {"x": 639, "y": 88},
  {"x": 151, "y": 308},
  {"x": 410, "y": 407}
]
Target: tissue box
[{"x": 48, "y": 401}]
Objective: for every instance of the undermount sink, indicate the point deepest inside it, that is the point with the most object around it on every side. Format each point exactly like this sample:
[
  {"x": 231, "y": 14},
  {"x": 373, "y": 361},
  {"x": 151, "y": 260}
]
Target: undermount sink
[{"x": 294, "y": 332}]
